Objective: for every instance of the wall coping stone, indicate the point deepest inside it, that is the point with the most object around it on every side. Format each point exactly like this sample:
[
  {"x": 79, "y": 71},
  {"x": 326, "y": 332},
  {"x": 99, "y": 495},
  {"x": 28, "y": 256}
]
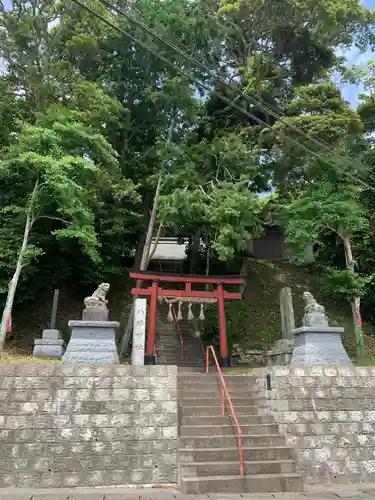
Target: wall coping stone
[{"x": 93, "y": 324}]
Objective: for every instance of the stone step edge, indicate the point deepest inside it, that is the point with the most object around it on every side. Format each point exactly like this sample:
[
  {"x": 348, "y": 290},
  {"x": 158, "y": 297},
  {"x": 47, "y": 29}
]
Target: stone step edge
[
  {"x": 217, "y": 395},
  {"x": 231, "y": 448},
  {"x": 234, "y": 436},
  {"x": 219, "y": 406},
  {"x": 226, "y": 425},
  {"x": 267, "y": 424},
  {"x": 246, "y": 476},
  {"x": 230, "y": 462},
  {"x": 226, "y": 375}
]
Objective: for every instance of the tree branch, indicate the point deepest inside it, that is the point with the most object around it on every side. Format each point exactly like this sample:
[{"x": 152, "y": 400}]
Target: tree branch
[
  {"x": 204, "y": 192},
  {"x": 51, "y": 217}
]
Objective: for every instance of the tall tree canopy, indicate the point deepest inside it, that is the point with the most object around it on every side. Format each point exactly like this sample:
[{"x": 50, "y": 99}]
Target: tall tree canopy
[{"x": 91, "y": 122}]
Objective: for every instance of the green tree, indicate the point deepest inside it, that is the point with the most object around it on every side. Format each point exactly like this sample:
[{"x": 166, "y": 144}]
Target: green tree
[
  {"x": 331, "y": 203},
  {"x": 57, "y": 172}
]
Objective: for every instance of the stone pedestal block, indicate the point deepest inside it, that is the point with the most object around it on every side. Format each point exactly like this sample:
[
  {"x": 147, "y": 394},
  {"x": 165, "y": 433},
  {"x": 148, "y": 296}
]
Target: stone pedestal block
[
  {"x": 92, "y": 342},
  {"x": 280, "y": 353},
  {"x": 50, "y": 345},
  {"x": 315, "y": 345},
  {"x": 97, "y": 313}
]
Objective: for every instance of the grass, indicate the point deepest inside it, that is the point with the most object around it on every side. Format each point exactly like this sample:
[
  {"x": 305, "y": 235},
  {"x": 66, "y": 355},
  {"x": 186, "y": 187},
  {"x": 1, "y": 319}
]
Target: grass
[
  {"x": 366, "y": 361},
  {"x": 17, "y": 357},
  {"x": 239, "y": 371}
]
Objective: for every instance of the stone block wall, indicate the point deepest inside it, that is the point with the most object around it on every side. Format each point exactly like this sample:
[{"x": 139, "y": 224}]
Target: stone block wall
[
  {"x": 327, "y": 414},
  {"x": 67, "y": 425}
]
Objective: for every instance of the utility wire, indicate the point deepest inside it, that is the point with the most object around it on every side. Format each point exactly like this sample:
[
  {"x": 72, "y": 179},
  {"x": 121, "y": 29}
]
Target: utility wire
[
  {"x": 269, "y": 109},
  {"x": 231, "y": 103}
]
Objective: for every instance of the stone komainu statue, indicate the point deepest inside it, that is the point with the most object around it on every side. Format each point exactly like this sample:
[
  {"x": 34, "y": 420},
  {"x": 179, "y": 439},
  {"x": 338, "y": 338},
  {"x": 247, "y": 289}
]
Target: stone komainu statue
[
  {"x": 97, "y": 299},
  {"x": 314, "y": 312},
  {"x": 311, "y": 304}
]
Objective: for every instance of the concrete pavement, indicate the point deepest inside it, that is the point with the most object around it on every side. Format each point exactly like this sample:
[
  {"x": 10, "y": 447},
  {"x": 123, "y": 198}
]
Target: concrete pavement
[{"x": 347, "y": 492}]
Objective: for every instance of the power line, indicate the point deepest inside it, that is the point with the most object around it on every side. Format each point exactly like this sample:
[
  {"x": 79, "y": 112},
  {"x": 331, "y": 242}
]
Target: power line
[
  {"x": 206, "y": 87},
  {"x": 273, "y": 111}
]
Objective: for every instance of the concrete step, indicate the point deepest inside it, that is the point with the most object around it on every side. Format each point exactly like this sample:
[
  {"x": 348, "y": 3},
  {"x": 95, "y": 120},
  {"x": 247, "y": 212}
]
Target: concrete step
[
  {"x": 169, "y": 348},
  {"x": 235, "y": 394},
  {"x": 190, "y": 411},
  {"x": 227, "y": 430},
  {"x": 215, "y": 387},
  {"x": 177, "y": 355},
  {"x": 213, "y": 379},
  {"x": 173, "y": 345},
  {"x": 191, "y": 372},
  {"x": 214, "y": 399},
  {"x": 206, "y": 390},
  {"x": 229, "y": 441},
  {"x": 213, "y": 374},
  {"x": 214, "y": 420},
  {"x": 179, "y": 363},
  {"x": 258, "y": 483},
  {"x": 231, "y": 454},
  {"x": 201, "y": 469}
]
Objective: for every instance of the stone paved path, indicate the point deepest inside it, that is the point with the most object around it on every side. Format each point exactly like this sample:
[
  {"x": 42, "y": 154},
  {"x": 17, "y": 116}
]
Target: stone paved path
[{"x": 352, "y": 492}]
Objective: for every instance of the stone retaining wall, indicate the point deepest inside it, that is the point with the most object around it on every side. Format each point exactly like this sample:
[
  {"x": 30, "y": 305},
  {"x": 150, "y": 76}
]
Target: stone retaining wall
[
  {"x": 327, "y": 415},
  {"x": 66, "y": 425}
]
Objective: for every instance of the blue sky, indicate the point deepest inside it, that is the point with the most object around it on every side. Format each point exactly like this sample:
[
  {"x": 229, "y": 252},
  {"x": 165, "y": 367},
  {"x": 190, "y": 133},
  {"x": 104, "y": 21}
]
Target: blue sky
[{"x": 350, "y": 92}]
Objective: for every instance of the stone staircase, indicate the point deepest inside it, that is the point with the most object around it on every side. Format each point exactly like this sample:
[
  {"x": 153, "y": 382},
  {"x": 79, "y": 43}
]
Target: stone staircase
[
  {"x": 168, "y": 344},
  {"x": 208, "y": 444}
]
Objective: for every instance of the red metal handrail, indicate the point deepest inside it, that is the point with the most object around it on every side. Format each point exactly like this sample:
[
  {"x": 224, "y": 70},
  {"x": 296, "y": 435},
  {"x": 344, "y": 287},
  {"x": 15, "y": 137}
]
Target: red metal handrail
[
  {"x": 182, "y": 353},
  {"x": 224, "y": 392}
]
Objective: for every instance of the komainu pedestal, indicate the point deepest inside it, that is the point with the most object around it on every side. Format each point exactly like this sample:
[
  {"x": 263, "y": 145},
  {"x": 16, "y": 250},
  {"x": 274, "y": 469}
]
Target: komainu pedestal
[
  {"x": 93, "y": 339},
  {"x": 92, "y": 342},
  {"x": 316, "y": 343}
]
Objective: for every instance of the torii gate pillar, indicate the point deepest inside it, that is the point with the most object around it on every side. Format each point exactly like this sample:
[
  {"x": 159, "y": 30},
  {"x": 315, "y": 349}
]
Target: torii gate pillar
[{"x": 224, "y": 353}]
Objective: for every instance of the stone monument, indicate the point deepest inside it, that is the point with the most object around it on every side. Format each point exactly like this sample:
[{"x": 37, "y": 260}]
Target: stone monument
[
  {"x": 317, "y": 343},
  {"x": 287, "y": 313},
  {"x": 139, "y": 332},
  {"x": 93, "y": 339},
  {"x": 282, "y": 350},
  {"x": 50, "y": 345}
]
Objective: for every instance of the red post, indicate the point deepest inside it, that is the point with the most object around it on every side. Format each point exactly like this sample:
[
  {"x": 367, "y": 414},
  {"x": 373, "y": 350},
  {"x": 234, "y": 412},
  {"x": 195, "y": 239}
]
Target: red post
[
  {"x": 224, "y": 354},
  {"x": 151, "y": 334}
]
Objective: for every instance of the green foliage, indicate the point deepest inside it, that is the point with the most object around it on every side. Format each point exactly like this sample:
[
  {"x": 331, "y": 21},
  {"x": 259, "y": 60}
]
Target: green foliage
[
  {"x": 93, "y": 120},
  {"x": 69, "y": 165},
  {"x": 345, "y": 284}
]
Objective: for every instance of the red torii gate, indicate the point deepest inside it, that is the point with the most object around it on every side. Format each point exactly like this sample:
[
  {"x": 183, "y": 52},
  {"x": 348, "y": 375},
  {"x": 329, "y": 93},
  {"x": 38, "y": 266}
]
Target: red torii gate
[{"x": 155, "y": 291}]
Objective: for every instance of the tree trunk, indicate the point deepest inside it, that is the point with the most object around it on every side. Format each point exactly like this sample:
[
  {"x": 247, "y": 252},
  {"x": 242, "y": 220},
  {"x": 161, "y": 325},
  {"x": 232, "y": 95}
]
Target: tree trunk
[
  {"x": 146, "y": 254},
  {"x": 195, "y": 247},
  {"x": 147, "y": 204},
  {"x": 13, "y": 284},
  {"x": 350, "y": 265},
  {"x": 151, "y": 224},
  {"x": 150, "y": 230},
  {"x": 156, "y": 242}
]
